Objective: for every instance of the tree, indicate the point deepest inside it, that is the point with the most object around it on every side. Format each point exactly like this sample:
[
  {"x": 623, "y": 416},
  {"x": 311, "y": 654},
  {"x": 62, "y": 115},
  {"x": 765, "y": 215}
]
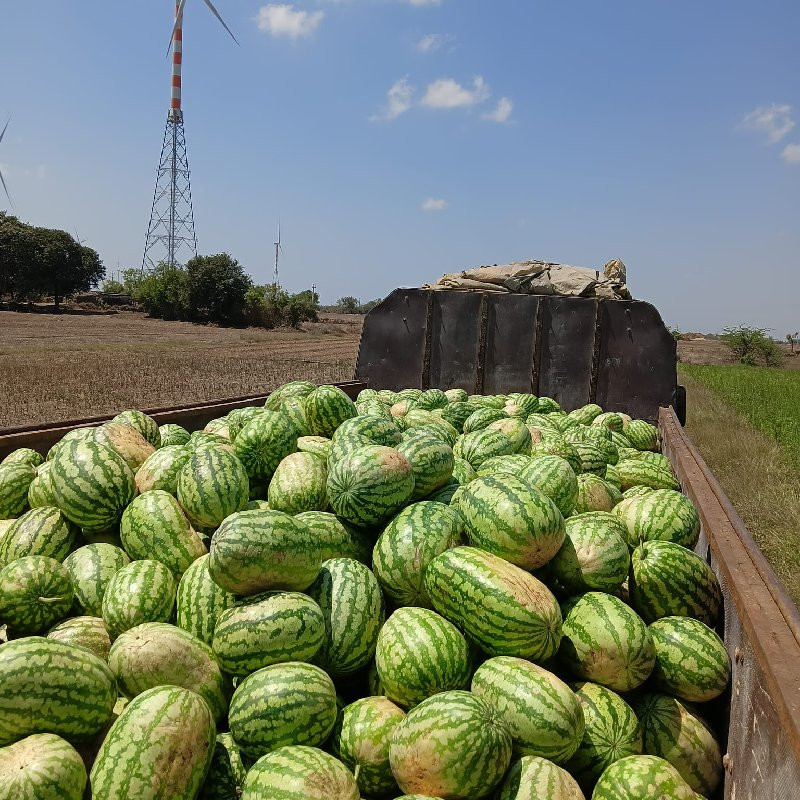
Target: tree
[
  {"x": 113, "y": 286},
  {"x": 217, "y": 288},
  {"x": 791, "y": 337},
  {"x": 269, "y": 306},
  {"x": 348, "y": 305},
  {"x": 164, "y": 292},
  {"x": 752, "y": 345},
  {"x": 18, "y": 254}
]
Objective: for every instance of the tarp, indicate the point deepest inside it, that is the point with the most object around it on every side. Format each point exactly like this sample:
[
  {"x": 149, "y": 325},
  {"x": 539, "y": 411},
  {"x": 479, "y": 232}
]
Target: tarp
[{"x": 541, "y": 277}]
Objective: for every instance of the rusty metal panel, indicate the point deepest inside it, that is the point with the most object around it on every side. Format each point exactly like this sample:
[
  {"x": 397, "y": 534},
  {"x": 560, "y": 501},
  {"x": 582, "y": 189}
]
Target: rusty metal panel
[
  {"x": 455, "y": 340},
  {"x": 511, "y": 328}
]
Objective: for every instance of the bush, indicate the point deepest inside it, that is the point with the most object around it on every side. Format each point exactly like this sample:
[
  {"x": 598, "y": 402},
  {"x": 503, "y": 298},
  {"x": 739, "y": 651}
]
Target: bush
[
  {"x": 164, "y": 292},
  {"x": 217, "y": 288},
  {"x": 752, "y": 345},
  {"x": 269, "y": 306},
  {"x": 113, "y": 287},
  {"x": 348, "y": 305}
]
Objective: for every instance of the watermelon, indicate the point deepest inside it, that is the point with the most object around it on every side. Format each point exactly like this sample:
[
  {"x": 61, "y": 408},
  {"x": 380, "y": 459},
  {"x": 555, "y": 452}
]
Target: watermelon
[
  {"x": 154, "y": 526},
  {"x": 640, "y": 472},
  {"x": 457, "y": 413},
  {"x": 595, "y": 494},
  {"x": 370, "y": 484},
  {"x": 636, "y": 491},
  {"x": 611, "y": 476},
  {"x": 42, "y": 767},
  {"x": 611, "y": 732},
  {"x": 160, "y": 748},
  {"x": 40, "y": 490},
  {"x": 555, "y": 478},
  {"x": 47, "y": 686},
  {"x": 158, "y": 654},
  {"x": 642, "y": 435},
  {"x": 161, "y": 469},
  {"x": 377, "y": 429},
  {"x": 87, "y": 632},
  {"x": 299, "y": 484},
  {"x": 23, "y": 455},
  {"x": 585, "y": 415},
  {"x": 91, "y": 567},
  {"x": 663, "y": 515},
  {"x": 504, "y": 609},
  {"x": 327, "y": 407},
  {"x": 691, "y": 660},
  {"x": 227, "y": 772},
  {"x": 335, "y": 539},
  {"x": 142, "y": 591},
  {"x": 541, "y": 712},
  {"x": 35, "y": 593},
  {"x": 456, "y": 395},
  {"x": 675, "y": 733},
  {"x": 516, "y": 431},
  {"x": 606, "y": 641},
  {"x": 638, "y": 777},
  {"x": 200, "y": 440},
  {"x": 431, "y": 462},
  {"x": 594, "y": 554},
  {"x": 319, "y": 446},
  {"x": 126, "y": 442},
  {"x": 200, "y": 601},
  {"x": 420, "y": 654},
  {"x": 534, "y": 778},
  {"x": 419, "y": 533},
  {"x": 140, "y": 422},
  {"x": 286, "y": 390},
  {"x": 264, "y": 441},
  {"x": 253, "y": 551},
  {"x": 453, "y": 745},
  {"x": 482, "y": 418},
  {"x": 299, "y": 773},
  {"x": 481, "y": 445},
  {"x": 42, "y": 531},
  {"x": 512, "y": 464},
  {"x": 610, "y": 420},
  {"x": 212, "y": 484},
  {"x": 74, "y": 435},
  {"x": 293, "y": 410},
  {"x": 268, "y": 629},
  {"x": 668, "y": 580},
  {"x": 15, "y": 480},
  {"x": 172, "y": 434},
  {"x": 361, "y": 739},
  {"x": 557, "y": 445},
  {"x": 512, "y": 519},
  {"x": 282, "y": 704},
  {"x": 352, "y": 607},
  {"x": 463, "y": 471}
]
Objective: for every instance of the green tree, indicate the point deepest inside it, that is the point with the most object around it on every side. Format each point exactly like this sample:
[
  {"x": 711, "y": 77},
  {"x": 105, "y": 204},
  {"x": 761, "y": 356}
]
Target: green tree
[
  {"x": 113, "y": 286},
  {"x": 752, "y": 345},
  {"x": 217, "y": 288},
  {"x": 365, "y": 308},
  {"x": 348, "y": 305},
  {"x": 19, "y": 249},
  {"x": 163, "y": 292},
  {"x": 63, "y": 266},
  {"x": 302, "y": 307}
]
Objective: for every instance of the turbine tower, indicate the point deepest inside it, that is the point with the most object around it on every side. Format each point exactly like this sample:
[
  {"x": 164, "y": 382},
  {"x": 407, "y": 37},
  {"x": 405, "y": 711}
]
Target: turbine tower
[
  {"x": 171, "y": 236},
  {"x": 2, "y": 179},
  {"x": 278, "y": 249}
]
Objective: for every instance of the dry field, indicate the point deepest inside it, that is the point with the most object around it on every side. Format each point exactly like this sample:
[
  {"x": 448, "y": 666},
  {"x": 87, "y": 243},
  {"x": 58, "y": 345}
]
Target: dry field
[{"x": 66, "y": 367}]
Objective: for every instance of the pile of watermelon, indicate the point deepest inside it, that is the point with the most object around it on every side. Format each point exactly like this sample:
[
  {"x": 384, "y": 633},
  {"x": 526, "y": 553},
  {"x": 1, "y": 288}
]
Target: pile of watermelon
[{"x": 419, "y": 593}]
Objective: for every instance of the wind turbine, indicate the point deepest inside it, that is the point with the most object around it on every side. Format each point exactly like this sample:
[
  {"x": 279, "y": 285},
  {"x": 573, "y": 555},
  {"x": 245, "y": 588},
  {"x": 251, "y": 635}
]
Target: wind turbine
[
  {"x": 2, "y": 179},
  {"x": 278, "y": 249}
]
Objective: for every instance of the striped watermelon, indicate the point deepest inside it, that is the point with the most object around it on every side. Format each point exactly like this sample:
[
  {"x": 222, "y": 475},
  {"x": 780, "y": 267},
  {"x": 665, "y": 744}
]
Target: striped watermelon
[
  {"x": 160, "y": 748},
  {"x": 419, "y": 533},
  {"x": 253, "y": 551},
  {"x": 675, "y": 733},
  {"x": 432, "y": 398},
  {"x": 286, "y": 390},
  {"x": 299, "y": 484},
  {"x": 457, "y": 413},
  {"x": 611, "y": 732},
  {"x": 610, "y": 420},
  {"x": 126, "y": 442},
  {"x": 227, "y": 772},
  {"x": 370, "y": 484},
  {"x": 201, "y": 440},
  {"x": 642, "y": 435},
  {"x": 15, "y": 480},
  {"x": 512, "y": 519},
  {"x": 431, "y": 462},
  {"x": 299, "y": 773},
  {"x": 264, "y": 441},
  {"x": 463, "y": 471},
  {"x": 691, "y": 660},
  {"x": 541, "y": 712},
  {"x": 619, "y": 439},
  {"x": 594, "y": 554},
  {"x": 74, "y": 435},
  {"x": 282, "y": 704},
  {"x": 212, "y": 484},
  {"x": 293, "y": 410},
  {"x": 662, "y": 515},
  {"x": 268, "y": 629},
  {"x": 516, "y": 431},
  {"x": 158, "y": 654},
  {"x": 585, "y": 415},
  {"x": 40, "y": 490},
  {"x": 456, "y": 395},
  {"x": 361, "y": 739},
  {"x": 319, "y": 446},
  {"x": 140, "y": 422},
  {"x": 636, "y": 491},
  {"x": 668, "y": 580},
  {"x": 504, "y": 609},
  {"x": 478, "y": 446},
  {"x": 92, "y": 484},
  {"x": 482, "y": 418},
  {"x": 23, "y": 455},
  {"x": 555, "y": 478},
  {"x": 172, "y": 434},
  {"x": 327, "y": 407},
  {"x": 87, "y": 632},
  {"x": 606, "y": 641},
  {"x": 142, "y": 591},
  {"x": 47, "y": 686},
  {"x": 43, "y": 531},
  {"x": 35, "y": 593},
  {"x": 611, "y": 475},
  {"x": 41, "y": 767},
  {"x": 161, "y": 469},
  {"x": 377, "y": 429},
  {"x": 557, "y": 445},
  {"x": 534, "y": 778},
  {"x": 445, "y": 494},
  {"x": 352, "y": 606},
  {"x": 595, "y": 494},
  {"x": 640, "y": 472},
  {"x": 154, "y": 526},
  {"x": 220, "y": 427},
  {"x": 502, "y": 465},
  {"x": 420, "y": 654},
  {"x": 638, "y": 777},
  {"x": 334, "y": 538},
  {"x": 91, "y": 567},
  {"x": 452, "y": 745},
  {"x": 200, "y": 601}
]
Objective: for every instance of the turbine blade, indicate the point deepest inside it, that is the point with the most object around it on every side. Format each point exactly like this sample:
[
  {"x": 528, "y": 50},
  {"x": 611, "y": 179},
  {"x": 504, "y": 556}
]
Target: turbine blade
[
  {"x": 5, "y": 128},
  {"x": 221, "y": 21},
  {"x": 178, "y": 18},
  {"x": 3, "y": 181}
]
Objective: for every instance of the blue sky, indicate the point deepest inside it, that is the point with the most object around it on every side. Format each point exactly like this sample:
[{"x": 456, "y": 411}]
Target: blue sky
[{"x": 400, "y": 139}]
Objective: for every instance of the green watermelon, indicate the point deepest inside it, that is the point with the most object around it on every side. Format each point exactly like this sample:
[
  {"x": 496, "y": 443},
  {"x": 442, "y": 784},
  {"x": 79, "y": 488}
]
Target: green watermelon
[
  {"x": 377, "y": 429},
  {"x": 457, "y": 413},
  {"x": 200, "y": 601},
  {"x": 541, "y": 712},
  {"x": 512, "y": 464},
  {"x": 227, "y": 772},
  {"x": 299, "y": 484},
  {"x": 290, "y": 389},
  {"x": 35, "y": 593},
  {"x": 42, "y": 531},
  {"x": 268, "y": 629},
  {"x": 534, "y": 778},
  {"x": 126, "y": 442},
  {"x": 23, "y": 455},
  {"x": 91, "y": 567},
  {"x": 144, "y": 425},
  {"x": 555, "y": 478},
  {"x": 40, "y": 490},
  {"x": 264, "y": 441},
  {"x": 334, "y": 538},
  {"x": 282, "y": 704},
  {"x": 160, "y": 747},
  {"x": 463, "y": 471},
  {"x": 74, "y": 435},
  {"x": 15, "y": 480},
  {"x": 640, "y": 472},
  {"x": 557, "y": 445},
  {"x": 691, "y": 660},
  {"x": 638, "y": 777},
  {"x": 90, "y": 633},
  {"x": 431, "y": 462},
  {"x": 293, "y": 410},
  {"x": 504, "y": 609},
  {"x": 663, "y": 515},
  {"x": 595, "y": 494},
  {"x": 452, "y": 745},
  {"x": 481, "y": 445},
  {"x": 420, "y": 654},
  {"x": 161, "y": 469},
  {"x": 47, "y": 686},
  {"x": 610, "y": 420},
  {"x": 41, "y": 767},
  {"x": 636, "y": 491},
  {"x": 586, "y": 414},
  {"x": 319, "y": 446},
  {"x": 642, "y": 435},
  {"x": 516, "y": 431},
  {"x": 172, "y": 434},
  {"x": 482, "y": 418},
  {"x": 606, "y": 641},
  {"x": 327, "y": 407}
]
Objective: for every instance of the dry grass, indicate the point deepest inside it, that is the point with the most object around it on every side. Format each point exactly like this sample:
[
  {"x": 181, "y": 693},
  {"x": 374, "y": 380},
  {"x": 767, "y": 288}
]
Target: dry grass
[
  {"x": 759, "y": 477},
  {"x": 63, "y": 367}
]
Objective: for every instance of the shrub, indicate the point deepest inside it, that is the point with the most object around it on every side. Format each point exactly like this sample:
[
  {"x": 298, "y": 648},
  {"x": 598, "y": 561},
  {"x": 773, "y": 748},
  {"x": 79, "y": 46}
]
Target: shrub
[{"x": 752, "y": 345}]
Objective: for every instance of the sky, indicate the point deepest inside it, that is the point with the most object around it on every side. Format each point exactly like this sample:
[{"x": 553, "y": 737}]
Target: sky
[{"x": 398, "y": 140}]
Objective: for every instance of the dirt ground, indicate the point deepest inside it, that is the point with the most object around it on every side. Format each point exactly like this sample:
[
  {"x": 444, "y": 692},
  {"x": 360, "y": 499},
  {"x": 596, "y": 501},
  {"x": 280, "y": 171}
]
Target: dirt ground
[{"x": 712, "y": 351}]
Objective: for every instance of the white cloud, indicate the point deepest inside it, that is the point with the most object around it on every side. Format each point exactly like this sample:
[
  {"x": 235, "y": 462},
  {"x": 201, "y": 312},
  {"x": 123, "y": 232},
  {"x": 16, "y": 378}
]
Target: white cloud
[
  {"x": 434, "y": 204},
  {"x": 425, "y": 2},
  {"x": 447, "y": 93},
  {"x": 773, "y": 121},
  {"x": 791, "y": 154},
  {"x": 430, "y": 42},
  {"x": 398, "y": 101},
  {"x": 283, "y": 20},
  {"x": 502, "y": 111}
]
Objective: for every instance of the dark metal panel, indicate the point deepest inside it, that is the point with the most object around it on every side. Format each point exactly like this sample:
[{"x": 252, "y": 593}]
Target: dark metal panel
[
  {"x": 391, "y": 354},
  {"x": 455, "y": 340},
  {"x": 510, "y": 343},
  {"x": 566, "y": 349}
]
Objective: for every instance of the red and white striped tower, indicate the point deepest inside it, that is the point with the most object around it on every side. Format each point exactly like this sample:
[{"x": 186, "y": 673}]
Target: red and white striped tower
[{"x": 177, "y": 61}]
